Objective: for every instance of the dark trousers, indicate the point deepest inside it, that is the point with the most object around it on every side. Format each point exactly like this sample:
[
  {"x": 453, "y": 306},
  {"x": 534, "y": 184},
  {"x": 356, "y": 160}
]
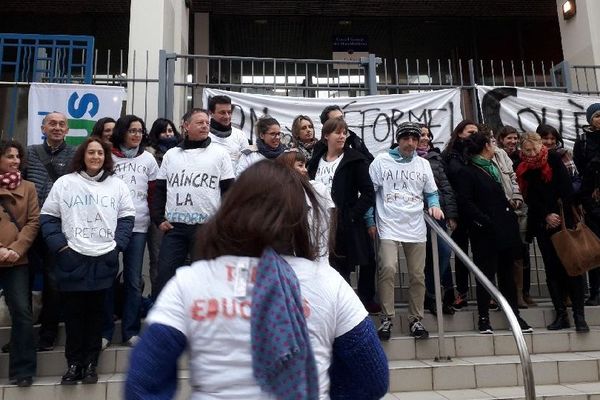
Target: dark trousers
[
  {"x": 556, "y": 275},
  {"x": 526, "y": 268},
  {"x": 594, "y": 274},
  {"x": 366, "y": 277},
  {"x": 42, "y": 259},
  {"x": 174, "y": 249},
  {"x": 461, "y": 237},
  {"x": 494, "y": 262},
  {"x": 22, "y": 358},
  {"x": 84, "y": 312}
]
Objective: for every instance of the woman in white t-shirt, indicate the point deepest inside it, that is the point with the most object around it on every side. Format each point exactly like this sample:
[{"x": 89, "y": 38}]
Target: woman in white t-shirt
[
  {"x": 268, "y": 144},
  {"x": 86, "y": 220},
  {"x": 138, "y": 169},
  {"x": 260, "y": 317}
]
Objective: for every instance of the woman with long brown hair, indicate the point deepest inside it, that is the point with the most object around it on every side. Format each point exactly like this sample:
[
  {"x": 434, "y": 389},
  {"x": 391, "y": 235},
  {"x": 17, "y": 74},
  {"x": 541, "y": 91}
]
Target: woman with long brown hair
[{"x": 262, "y": 319}]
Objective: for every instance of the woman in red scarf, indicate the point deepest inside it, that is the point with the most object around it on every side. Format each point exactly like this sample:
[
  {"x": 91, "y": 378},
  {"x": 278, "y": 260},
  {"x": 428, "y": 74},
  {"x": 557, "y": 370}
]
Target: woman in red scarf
[{"x": 544, "y": 180}]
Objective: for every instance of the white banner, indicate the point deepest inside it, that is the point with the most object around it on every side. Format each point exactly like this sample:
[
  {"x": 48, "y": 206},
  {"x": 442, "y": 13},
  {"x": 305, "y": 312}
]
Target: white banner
[
  {"x": 82, "y": 104},
  {"x": 374, "y": 118},
  {"x": 525, "y": 109}
]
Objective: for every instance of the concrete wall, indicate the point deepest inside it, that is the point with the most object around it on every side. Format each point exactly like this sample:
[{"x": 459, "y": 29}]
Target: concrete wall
[{"x": 160, "y": 25}]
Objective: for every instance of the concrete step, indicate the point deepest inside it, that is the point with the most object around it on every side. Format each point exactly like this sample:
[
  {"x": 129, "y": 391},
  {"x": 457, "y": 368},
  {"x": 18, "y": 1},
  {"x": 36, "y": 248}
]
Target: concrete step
[
  {"x": 492, "y": 371},
  {"x": 466, "y": 319},
  {"x": 576, "y": 391},
  {"x": 501, "y": 343}
]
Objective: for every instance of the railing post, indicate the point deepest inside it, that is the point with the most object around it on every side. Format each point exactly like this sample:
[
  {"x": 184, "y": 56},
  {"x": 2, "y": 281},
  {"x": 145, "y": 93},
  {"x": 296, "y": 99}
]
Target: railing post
[
  {"x": 474, "y": 101},
  {"x": 166, "y": 84},
  {"x": 370, "y": 63},
  {"x": 566, "y": 73},
  {"x": 442, "y": 354}
]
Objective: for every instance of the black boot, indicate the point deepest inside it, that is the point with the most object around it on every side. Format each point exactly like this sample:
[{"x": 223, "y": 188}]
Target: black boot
[
  {"x": 593, "y": 300},
  {"x": 560, "y": 322},
  {"x": 447, "y": 301},
  {"x": 580, "y": 324},
  {"x": 89, "y": 374},
  {"x": 73, "y": 375},
  {"x": 556, "y": 294}
]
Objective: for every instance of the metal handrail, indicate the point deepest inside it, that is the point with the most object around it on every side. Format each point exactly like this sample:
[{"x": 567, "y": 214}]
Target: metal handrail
[{"x": 438, "y": 231}]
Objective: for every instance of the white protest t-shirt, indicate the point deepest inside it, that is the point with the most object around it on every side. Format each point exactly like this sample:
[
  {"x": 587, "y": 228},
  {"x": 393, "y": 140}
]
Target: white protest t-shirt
[
  {"x": 323, "y": 195},
  {"x": 399, "y": 189},
  {"x": 136, "y": 172},
  {"x": 233, "y": 144},
  {"x": 210, "y": 304},
  {"x": 326, "y": 171},
  {"x": 246, "y": 160},
  {"x": 193, "y": 177},
  {"x": 89, "y": 211}
]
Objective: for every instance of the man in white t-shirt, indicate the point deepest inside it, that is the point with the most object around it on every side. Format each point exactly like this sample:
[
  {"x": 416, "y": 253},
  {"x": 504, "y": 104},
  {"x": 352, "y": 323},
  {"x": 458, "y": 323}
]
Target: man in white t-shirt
[
  {"x": 190, "y": 182},
  {"x": 402, "y": 182},
  {"x": 221, "y": 130}
]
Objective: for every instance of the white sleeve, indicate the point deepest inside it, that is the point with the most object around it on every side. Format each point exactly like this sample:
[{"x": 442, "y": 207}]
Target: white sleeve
[
  {"x": 243, "y": 163},
  {"x": 226, "y": 167},
  {"x": 430, "y": 185},
  {"x": 375, "y": 174},
  {"x": 169, "y": 308},
  {"x": 52, "y": 204},
  {"x": 349, "y": 309},
  {"x": 243, "y": 141},
  {"x": 152, "y": 168},
  {"x": 126, "y": 207}
]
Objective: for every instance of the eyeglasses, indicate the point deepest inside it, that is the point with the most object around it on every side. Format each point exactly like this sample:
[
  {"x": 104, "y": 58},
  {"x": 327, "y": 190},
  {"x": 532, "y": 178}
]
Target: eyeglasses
[{"x": 139, "y": 132}]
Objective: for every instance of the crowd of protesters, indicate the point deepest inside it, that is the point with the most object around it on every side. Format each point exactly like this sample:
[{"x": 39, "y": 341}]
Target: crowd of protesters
[{"x": 78, "y": 215}]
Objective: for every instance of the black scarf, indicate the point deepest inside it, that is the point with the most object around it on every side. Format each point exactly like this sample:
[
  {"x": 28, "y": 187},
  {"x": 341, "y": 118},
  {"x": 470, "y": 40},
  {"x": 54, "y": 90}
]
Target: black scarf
[
  {"x": 194, "y": 144},
  {"x": 219, "y": 130},
  {"x": 269, "y": 152}
]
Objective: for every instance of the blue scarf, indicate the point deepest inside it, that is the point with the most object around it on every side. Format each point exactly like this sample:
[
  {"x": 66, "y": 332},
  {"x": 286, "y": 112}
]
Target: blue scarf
[
  {"x": 129, "y": 153},
  {"x": 282, "y": 359},
  {"x": 167, "y": 143},
  {"x": 267, "y": 151}
]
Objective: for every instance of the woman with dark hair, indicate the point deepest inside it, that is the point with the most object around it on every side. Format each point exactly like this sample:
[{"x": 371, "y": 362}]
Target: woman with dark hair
[
  {"x": 492, "y": 223},
  {"x": 303, "y": 134},
  {"x": 508, "y": 140},
  {"x": 453, "y": 156},
  {"x": 268, "y": 144},
  {"x": 103, "y": 128},
  {"x": 138, "y": 169},
  {"x": 162, "y": 137},
  {"x": 261, "y": 318},
  {"x": 19, "y": 226},
  {"x": 448, "y": 205},
  {"x": 553, "y": 141},
  {"x": 544, "y": 181},
  {"x": 345, "y": 173},
  {"x": 86, "y": 221}
]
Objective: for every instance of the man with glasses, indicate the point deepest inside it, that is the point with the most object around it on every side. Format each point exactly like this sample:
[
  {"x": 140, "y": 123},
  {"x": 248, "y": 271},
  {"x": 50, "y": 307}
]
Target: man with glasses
[
  {"x": 191, "y": 180},
  {"x": 222, "y": 132},
  {"x": 47, "y": 162}
]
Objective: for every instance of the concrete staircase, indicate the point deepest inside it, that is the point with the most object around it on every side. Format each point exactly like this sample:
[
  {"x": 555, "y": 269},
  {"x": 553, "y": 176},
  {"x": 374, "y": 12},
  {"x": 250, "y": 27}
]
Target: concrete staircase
[{"x": 566, "y": 364}]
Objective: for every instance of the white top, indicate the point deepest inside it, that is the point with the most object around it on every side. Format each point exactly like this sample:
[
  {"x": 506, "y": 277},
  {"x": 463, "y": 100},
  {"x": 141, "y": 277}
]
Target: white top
[
  {"x": 247, "y": 159},
  {"x": 326, "y": 171},
  {"x": 193, "y": 177},
  {"x": 89, "y": 211},
  {"x": 219, "y": 340},
  {"x": 326, "y": 204},
  {"x": 234, "y": 144},
  {"x": 399, "y": 189},
  {"x": 136, "y": 173}
]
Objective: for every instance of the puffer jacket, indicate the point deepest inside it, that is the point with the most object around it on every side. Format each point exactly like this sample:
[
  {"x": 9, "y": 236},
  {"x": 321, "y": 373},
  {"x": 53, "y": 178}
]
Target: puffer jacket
[
  {"x": 445, "y": 191},
  {"x": 36, "y": 173}
]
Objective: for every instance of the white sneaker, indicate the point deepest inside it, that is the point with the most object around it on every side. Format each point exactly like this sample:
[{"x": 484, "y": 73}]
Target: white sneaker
[
  {"x": 132, "y": 341},
  {"x": 105, "y": 344}
]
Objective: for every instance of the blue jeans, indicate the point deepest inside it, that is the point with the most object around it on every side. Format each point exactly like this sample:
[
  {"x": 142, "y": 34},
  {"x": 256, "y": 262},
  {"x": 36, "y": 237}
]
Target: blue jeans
[
  {"x": 174, "y": 249},
  {"x": 133, "y": 259},
  {"x": 22, "y": 358},
  {"x": 444, "y": 253}
]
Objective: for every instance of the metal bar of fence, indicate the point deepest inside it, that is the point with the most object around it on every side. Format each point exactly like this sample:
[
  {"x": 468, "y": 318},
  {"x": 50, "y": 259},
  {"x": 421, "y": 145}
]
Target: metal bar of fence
[{"x": 527, "y": 368}]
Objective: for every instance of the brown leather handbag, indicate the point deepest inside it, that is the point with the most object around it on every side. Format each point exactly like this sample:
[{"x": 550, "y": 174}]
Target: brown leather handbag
[{"x": 579, "y": 248}]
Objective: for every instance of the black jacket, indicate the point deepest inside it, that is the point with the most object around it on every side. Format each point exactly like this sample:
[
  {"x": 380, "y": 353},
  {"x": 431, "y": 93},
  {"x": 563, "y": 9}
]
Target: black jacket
[
  {"x": 445, "y": 191},
  {"x": 542, "y": 198},
  {"x": 586, "y": 155},
  {"x": 353, "y": 194},
  {"x": 486, "y": 211}
]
